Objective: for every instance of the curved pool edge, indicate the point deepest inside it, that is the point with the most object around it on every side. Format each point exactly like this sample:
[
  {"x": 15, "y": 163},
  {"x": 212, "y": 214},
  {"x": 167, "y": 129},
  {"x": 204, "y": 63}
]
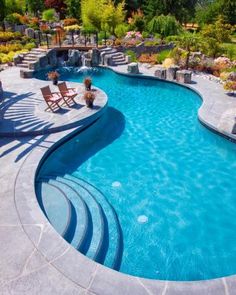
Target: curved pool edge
[
  {"x": 77, "y": 268},
  {"x": 215, "y": 103}
]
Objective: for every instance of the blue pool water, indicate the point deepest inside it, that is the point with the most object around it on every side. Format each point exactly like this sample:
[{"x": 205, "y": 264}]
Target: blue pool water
[{"x": 171, "y": 181}]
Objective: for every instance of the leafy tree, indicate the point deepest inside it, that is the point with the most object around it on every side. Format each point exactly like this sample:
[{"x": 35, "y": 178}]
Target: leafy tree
[
  {"x": 228, "y": 10},
  {"x": 91, "y": 14},
  {"x": 137, "y": 21},
  {"x": 73, "y": 8},
  {"x": 211, "y": 47},
  {"x": 164, "y": 25},
  {"x": 189, "y": 42},
  {"x": 219, "y": 31},
  {"x": 113, "y": 15}
]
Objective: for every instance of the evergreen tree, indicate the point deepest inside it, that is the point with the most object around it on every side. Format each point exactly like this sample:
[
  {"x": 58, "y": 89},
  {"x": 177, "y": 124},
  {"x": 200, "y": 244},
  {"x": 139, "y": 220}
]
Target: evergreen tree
[
  {"x": 35, "y": 6},
  {"x": 73, "y": 8}
]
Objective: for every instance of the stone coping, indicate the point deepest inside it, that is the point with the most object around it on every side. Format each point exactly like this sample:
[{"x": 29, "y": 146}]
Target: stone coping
[{"x": 56, "y": 266}]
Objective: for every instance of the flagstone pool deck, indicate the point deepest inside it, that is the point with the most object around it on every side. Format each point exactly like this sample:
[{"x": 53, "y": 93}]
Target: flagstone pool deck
[{"x": 34, "y": 259}]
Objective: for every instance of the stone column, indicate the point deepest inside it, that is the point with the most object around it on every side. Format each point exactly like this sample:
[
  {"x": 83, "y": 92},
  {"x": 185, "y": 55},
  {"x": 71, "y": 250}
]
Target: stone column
[
  {"x": 184, "y": 76},
  {"x": 171, "y": 72},
  {"x": 160, "y": 73},
  {"x": 133, "y": 68}
]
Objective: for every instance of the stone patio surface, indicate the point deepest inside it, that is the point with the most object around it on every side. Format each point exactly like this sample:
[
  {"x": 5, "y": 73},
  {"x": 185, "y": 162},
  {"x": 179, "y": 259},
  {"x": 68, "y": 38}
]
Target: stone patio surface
[{"x": 34, "y": 259}]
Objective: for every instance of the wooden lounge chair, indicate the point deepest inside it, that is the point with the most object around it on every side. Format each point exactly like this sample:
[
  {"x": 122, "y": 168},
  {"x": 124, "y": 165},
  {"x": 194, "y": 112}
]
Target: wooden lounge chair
[
  {"x": 68, "y": 94},
  {"x": 52, "y": 99}
]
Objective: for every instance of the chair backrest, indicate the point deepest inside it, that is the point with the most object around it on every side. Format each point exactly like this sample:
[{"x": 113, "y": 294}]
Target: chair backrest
[
  {"x": 46, "y": 92},
  {"x": 62, "y": 87}
]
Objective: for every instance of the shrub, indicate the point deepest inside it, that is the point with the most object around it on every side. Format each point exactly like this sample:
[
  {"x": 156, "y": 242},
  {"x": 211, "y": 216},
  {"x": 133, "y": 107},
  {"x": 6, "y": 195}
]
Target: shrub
[
  {"x": 8, "y": 36},
  {"x": 10, "y": 47},
  {"x": 168, "y": 62},
  {"x": 162, "y": 56},
  {"x": 148, "y": 58},
  {"x": 230, "y": 86},
  {"x": 151, "y": 43},
  {"x": 72, "y": 28},
  {"x": 132, "y": 54},
  {"x": 70, "y": 22},
  {"x": 121, "y": 30},
  {"x": 49, "y": 15},
  {"x": 14, "y": 18}
]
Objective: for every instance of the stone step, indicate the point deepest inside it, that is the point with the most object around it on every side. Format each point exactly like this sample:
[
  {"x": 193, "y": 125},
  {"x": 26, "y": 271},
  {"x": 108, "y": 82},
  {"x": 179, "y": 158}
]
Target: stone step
[
  {"x": 30, "y": 58},
  {"x": 113, "y": 234},
  {"x": 94, "y": 248},
  {"x": 118, "y": 59},
  {"x": 79, "y": 225},
  {"x": 56, "y": 207},
  {"x": 120, "y": 63},
  {"x": 21, "y": 65}
]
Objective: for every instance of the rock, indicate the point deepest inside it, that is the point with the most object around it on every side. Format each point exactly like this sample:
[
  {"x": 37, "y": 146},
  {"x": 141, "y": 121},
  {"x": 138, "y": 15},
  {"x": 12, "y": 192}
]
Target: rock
[
  {"x": 29, "y": 32},
  {"x": 52, "y": 58},
  {"x": 171, "y": 72},
  {"x": 17, "y": 59},
  {"x": 87, "y": 62},
  {"x": 43, "y": 61},
  {"x": 133, "y": 68},
  {"x": 74, "y": 58},
  {"x": 184, "y": 76},
  {"x": 25, "y": 74},
  {"x": 95, "y": 57},
  {"x": 107, "y": 60},
  {"x": 34, "y": 65},
  {"x": 160, "y": 72}
]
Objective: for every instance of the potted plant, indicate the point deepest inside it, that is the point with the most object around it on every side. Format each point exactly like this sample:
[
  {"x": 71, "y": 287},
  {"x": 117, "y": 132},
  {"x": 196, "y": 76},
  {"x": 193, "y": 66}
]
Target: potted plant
[
  {"x": 89, "y": 98},
  {"x": 54, "y": 75},
  {"x": 87, "y": 83}
]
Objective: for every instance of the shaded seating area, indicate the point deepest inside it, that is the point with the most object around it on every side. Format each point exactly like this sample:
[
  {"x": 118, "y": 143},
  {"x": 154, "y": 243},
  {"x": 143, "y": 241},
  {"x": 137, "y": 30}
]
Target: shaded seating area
[
  {"x": 67, "y": 93},
  {"x": 52, "y": 99}
]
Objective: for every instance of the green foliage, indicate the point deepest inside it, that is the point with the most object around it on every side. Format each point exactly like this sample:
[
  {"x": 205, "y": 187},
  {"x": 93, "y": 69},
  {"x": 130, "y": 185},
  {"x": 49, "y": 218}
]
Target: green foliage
[
  {"x": 35, "y": 6},
  {"x": 211, "y": 47},
  {"x": 230, "y": 50},
  {"x": 219, "y": 30},
  {"x": 151, "y": 43},
  {"x": 73, "y": 8},
  {"x": 137, "y": 21},
  {"x": 2, "y": 9},
  {"x": 121, "y": 30},
  {"x": 164, "y": 25},
  {"x": 49, "y": 15},
  {"x": 163, "y": 55},
  {"x": 132, "y": 54},
  {"x": 113, "y": 15}
]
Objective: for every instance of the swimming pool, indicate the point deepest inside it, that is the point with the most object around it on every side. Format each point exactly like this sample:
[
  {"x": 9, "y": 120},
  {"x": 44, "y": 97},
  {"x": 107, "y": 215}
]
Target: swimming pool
[{"x": 169, "y": 179}]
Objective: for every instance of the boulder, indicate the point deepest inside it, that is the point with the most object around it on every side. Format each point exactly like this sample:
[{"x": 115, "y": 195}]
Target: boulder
[
  {"x": 17, "y": 59},
  {"x": 52, "y": 58},
  {"x": 74, "y": 58},
  {"x": 184, "y": 76},
  {"x": 160, "y": 72},
  {"x": 95, "y": 57},
  {"x": 171, "y": 72},
  {"x": 133, "y": 68},
  {"x": 25, "y": 74},
  {"x": 43, "y": 61},
  {"x": 87, "y": 62},
  {"x": 34, "y": 66}
]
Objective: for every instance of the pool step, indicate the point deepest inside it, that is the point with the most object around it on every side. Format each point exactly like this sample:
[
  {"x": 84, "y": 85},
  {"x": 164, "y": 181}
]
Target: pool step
[
  {"x": 93, "y": 248},
  {"x": 79, "y": 233},
  {"x": 57, "y": 208},
  {"x": 95, "y": 231},
  {"x": 113, "y": 236}
]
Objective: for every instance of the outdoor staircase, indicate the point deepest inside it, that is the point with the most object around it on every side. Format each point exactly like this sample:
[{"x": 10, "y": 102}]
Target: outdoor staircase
[
  {"x": 114, "y": 57},
  {"x": 31, "y": 56},
  {"x": 82, "y": 215}
]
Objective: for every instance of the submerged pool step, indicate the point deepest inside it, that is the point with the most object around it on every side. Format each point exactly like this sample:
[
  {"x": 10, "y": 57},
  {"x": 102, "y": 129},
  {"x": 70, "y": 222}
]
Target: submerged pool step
[
  {"x": 113, "y": 241},
  {"x": 56, "y": 207},
  {"x": 93, "y": 248},
  {"x": 80, "y": 223}
]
